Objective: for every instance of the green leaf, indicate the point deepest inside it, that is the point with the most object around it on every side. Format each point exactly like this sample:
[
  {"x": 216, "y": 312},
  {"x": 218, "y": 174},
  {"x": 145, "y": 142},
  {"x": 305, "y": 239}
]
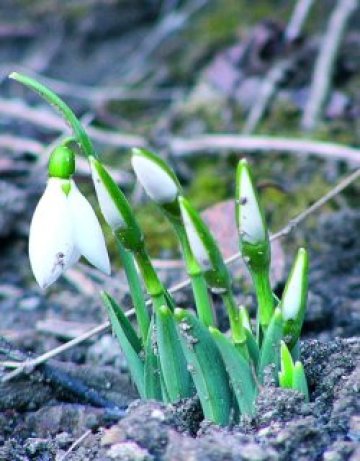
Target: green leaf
[
  {"x": 299, "y": 380},
  {"x": 152, "y": 371},
  {"x": 253, "y": 348},
  {"x": 129, "y": 331},
  {"x": 270, "y": 349},
  {"x": 136, "y": 366},
  {"x": 80, "y": 134},
  {"x": 137, "y": 295},
  {"x": 173, "y": 363},
  {"x": 239, "y": 371},
  {"x": 287, "y": 367},
  {"x": 206, "y": 367}
]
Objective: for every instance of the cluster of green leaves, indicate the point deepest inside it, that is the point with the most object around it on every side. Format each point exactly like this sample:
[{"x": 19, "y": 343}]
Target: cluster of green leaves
[{"x": 174, "y": 353}]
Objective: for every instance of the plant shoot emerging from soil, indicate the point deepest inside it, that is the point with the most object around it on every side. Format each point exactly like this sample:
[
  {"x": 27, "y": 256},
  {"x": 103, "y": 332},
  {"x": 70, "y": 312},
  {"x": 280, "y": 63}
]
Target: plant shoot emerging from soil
[{"x": 174, "y": 353}]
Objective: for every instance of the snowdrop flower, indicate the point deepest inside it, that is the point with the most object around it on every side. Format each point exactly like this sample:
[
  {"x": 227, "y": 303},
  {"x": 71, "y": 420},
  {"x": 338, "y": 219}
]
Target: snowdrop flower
[
  {"x": 109, "y": 206},
  {"x": 158, "y": 180},
  {"x": 115, "y": 208},
  {"x": 64, "y": 226},
  {"x": 249, "y": 216},
  {"x": 197, "y": 245},
  {"x": 293, "y": 301},
  {"x": 204, "y": 248}
]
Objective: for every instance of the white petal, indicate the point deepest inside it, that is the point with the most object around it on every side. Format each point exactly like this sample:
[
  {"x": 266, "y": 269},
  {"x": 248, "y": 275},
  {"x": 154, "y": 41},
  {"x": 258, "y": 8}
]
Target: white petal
[
  {"x": 292, "y": 299},
  {"x": 51, "y": 244},
  {"x": 108, "y": 209},
  {"x": 158, "y": 184},
  {"x": 88, "y": 235},
  {"x": 196, "y": 244},
  {"x": 250, "y": 223}
]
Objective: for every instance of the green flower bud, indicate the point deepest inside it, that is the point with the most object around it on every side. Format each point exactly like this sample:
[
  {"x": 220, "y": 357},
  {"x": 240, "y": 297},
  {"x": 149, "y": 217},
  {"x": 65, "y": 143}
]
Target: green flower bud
[
  {"x": 294, "y": 299},
  {"x": 204, "y": 248},
  {"x": 61, "y": 162},
  {"x": 253, "y": 234},
  {"x": 158, "y": 180}
]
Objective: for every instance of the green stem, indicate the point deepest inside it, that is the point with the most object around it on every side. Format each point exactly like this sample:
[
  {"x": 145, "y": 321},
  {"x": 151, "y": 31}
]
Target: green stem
[
  {"x": 236, "y": 326},
  {"x": 202, "y": 302},
  {"x": 198, "y": 283},
  {"x": 53, "y": 99},
  {"x": 150, "y": 277},
  {"x": 264, "y": 296},
  {"x": 137, "y": 295}
]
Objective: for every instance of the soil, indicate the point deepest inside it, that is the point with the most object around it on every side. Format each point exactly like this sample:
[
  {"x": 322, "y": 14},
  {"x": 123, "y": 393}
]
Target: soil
[{"x": 87, "y": 390}]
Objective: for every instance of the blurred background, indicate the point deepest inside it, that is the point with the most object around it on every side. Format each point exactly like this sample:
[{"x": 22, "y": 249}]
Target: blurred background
[{"x": 164, "y": 74}]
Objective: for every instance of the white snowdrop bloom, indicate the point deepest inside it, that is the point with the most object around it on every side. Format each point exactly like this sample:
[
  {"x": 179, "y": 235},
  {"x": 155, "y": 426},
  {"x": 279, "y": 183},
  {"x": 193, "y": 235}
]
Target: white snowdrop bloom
[
  {"x": 64, "y": 227},
  {"x": 196, "y": 244},
  {"x": 249, "y": 217},
  {"x": 109, "y": 210},
  {"x": 156, "y": 178},
  {"x": 295, "y": 290}
]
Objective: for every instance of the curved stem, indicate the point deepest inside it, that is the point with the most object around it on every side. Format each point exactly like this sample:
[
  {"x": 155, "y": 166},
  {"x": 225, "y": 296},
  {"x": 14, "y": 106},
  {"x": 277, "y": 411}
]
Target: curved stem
[{"x": 53, "y": 99}]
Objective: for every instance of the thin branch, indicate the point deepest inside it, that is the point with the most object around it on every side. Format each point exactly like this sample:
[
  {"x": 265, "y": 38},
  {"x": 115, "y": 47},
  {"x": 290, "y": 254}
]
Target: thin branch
[
  {"x": 324, "y": 66},
  {"x": 30, "y": 364},
  {"x": 297, "y": 20},
  {"x": 277, "y": 73},
  {"x": 182, "y": 147},
  {"x": 46, "y": 119},
  {"x": 266, "y": 93},
  {"x": 76, "y": 444},
  {"x": 17, "y": 144}
]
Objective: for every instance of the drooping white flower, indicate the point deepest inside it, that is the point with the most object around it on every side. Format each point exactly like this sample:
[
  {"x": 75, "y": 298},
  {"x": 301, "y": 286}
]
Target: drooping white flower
[
  {"x": 158, "y": 180},
  {"x": 64, "y": 227}
]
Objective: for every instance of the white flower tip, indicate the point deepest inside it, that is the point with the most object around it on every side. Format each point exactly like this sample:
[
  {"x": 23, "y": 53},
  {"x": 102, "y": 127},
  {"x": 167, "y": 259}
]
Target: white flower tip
[
  {"x": 155, "y": 179},
  {"x": 249, "y": 216},
  {"x": 86, "y": 230},
  {"x": 292, "y": 300},
  {"x": 108, "y": 208},
  {"x": 196, "y": 244}
]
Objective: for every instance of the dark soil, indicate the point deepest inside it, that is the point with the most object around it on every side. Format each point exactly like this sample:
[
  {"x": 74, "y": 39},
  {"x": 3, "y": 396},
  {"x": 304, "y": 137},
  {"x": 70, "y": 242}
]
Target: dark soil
[{"x": 87, "y": 388}]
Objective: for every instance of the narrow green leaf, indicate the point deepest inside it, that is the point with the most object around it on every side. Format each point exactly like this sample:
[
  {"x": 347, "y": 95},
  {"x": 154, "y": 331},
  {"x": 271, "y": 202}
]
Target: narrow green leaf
[
  {"x": 239, "y": 371},
  {"x": 129, "y": 331},
  {"x": 137, "y": 295},
  {"x": 299, "y": 380},
  {"x": 206, "y": 367},
  {"x": 136, "y": 366},
  {"x": 253, "y": 348},
  {"x": 53, "y": 99},
  {"x": 173, "y": 363},
  {"x": 152, "y": 372},
  {"x": 287, "y": 367},
  {"x": 270, "y": 349}
]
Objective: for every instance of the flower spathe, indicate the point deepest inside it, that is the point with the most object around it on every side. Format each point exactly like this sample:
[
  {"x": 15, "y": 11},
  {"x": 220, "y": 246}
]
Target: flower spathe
[
  {"x": 154, "y": 175},
  {"x": 63, "y": 228}
]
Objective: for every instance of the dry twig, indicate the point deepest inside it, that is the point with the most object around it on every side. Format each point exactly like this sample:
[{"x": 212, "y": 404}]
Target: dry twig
[
  {"x": 297, "y": 20},
  {"x": 182, "y": 147},
  {"x": 276, "y": 74},
  {"x": 324, "y": 66},
  {"x": 30, "y": 364},
  {"x": 76, "y": 444}
]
